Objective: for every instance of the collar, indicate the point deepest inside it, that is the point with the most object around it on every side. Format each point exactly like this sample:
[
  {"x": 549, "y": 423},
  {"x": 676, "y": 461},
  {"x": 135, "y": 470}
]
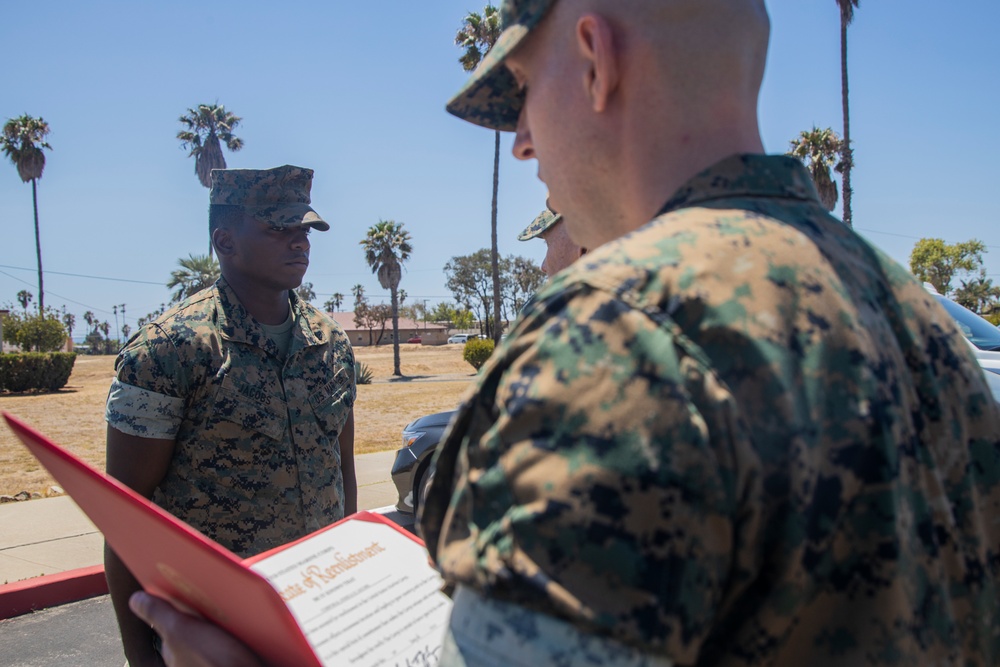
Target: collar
[
  {"x": 237, "y": 324},
  {"x": 747, "y": 175}
]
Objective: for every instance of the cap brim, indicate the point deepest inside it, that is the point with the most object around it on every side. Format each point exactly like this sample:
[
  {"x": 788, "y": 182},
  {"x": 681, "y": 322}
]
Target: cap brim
[
  {"x": 289, "y": 215},
  {"x": 490, "y": 98},
  {"x": 543, "y": 223}
]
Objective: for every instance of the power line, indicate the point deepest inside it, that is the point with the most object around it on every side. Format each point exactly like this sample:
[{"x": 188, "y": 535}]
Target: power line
[
  {"x": 80, "y": 275},
  {"x": 905, "y": 236}
]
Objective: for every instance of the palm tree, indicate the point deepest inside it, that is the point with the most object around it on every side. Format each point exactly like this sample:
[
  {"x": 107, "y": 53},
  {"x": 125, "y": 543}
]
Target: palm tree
[
  {"x": 197, "y": 272},
  {"x": 22, "y": 142},
  {"x": 207, "y": 126},
  {"x": 820, "y": 150},
  {"x": 387, "y": 246},
  {"x": 478, "y": 34},
  {"x": 334, "y": 302},
  {"x": 305, "y": 292},
  {"x": 847, "y": 153},
  {"x": 24, "y": 297}
]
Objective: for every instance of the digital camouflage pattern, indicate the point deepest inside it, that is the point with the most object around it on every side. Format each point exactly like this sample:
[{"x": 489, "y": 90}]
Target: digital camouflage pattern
[
  {"x": 278, "y": 197},
  {"x": 491, "y": 97},
  {"x": 737, "y": 436},
  {"x": 540, "y": 225},
  {"x": 257, "y": 458},
  {"x": 493, "y": 633}
]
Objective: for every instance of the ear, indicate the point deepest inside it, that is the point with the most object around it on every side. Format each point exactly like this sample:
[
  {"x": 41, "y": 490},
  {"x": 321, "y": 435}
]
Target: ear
[
  {"x": 222, "y": 239},
  {"x": 595, "y": 40}
]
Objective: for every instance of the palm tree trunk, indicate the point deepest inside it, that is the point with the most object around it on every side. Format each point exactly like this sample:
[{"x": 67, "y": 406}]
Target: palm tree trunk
[
  {"x": 38, "y": 247},
  {"x": 393, "y": 295},
  {"x": 848, "y": 154},
  {"x": 494, "y": 255}
]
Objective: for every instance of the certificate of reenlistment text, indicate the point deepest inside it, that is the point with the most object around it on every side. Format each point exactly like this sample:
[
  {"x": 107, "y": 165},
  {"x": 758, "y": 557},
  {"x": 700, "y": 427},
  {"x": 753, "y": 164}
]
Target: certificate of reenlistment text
[{"x": 363, "y": 593}]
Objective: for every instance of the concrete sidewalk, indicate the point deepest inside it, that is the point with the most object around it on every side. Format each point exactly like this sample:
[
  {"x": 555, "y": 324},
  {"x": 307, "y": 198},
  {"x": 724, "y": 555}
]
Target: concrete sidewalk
[{"x": 52, "y": 535}]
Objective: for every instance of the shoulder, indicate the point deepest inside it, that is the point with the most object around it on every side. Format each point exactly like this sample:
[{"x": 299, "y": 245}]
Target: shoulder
[
  {"x": 166, "y": 349},
  {"x": 324, "y": 327}
]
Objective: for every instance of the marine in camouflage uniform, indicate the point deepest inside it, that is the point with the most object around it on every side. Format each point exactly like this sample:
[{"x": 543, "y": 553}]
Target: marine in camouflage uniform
[
  {"x": 236, "y": 414},
  {"x": 738, "y": 435},
  {"x": 256, "y": 461}
]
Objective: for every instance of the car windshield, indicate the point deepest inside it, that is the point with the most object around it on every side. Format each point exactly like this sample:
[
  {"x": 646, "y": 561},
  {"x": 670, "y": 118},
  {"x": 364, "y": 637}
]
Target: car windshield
[{"x": 980, "y": 333}]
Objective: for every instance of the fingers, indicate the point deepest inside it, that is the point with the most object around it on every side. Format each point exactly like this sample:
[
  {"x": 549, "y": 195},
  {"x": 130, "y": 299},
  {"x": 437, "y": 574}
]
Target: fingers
[
  {"x": 158, "y": 613},
  {"x": 190, "y": 641}
]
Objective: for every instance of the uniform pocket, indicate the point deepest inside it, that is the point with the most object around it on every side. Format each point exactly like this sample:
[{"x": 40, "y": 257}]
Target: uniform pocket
[
  {"x": 332, "y": 402},
  {"x": 251, "y": 408}
]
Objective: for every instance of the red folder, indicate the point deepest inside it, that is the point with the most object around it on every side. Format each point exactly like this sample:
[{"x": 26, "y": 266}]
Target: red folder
[{"x": 174, "y": 561}]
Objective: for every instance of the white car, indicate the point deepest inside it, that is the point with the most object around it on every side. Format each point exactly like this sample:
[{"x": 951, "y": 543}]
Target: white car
[
  {"x": 981, "y": 334},
  {"x": 462, "y": 338},
  {"x": 983, "y": 338}
]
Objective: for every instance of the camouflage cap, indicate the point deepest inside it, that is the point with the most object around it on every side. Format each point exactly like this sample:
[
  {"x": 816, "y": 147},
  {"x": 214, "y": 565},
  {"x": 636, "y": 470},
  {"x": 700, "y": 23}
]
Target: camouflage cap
[
  {"x": 540, "y": 225},
  {"x": 490, "y": 97},
  {"x": 278, "y": 197}
]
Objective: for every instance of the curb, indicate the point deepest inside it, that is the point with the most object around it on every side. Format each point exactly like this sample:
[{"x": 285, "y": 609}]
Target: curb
[{"x": 51, "y": 590}]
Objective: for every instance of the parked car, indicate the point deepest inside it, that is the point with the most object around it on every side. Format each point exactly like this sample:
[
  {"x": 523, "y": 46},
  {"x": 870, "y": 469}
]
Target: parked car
[
  {"x": 411, "y": 471},
  {"x": 981, "y": 334},
  {"x": 462, "y": 338},
  {"x": 413, "y": 339}
]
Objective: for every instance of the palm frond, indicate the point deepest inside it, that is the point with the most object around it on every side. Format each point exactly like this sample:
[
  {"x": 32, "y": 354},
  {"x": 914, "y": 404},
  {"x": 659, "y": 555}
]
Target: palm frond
[{"x": 207, "y": 127}]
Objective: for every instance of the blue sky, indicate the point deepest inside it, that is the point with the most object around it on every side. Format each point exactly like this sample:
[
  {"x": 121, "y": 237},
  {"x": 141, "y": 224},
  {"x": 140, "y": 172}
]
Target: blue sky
[{"x": 356, "y": 91}]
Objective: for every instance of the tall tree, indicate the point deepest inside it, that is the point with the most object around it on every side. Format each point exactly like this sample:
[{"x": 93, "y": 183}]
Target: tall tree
[
  {"x": 305, "y": 292},
  {"x": 22, "y": 142},
  {"x": 521, "y": 279},
  {"x": 69, "y": 320},
  {"x": 206, "y": 128},
  {"x": 333, "y": 304},
  {"x": 468, "y": 278},
  {"x": 979, "y": 294},
  {"x": 936, "y": 262},
  {"x": 197, "y": 272},
  {"x": 478, "y": 34},
  {"x": 387, "y": 246},
  {"x": 820, "y": 150},
  {"x": 847, "y": 152},
  {"x": 24, "y": 298}
]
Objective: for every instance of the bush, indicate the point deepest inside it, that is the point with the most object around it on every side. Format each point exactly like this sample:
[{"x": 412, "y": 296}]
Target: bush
[
  {"x": 477, "y": 351},
  {"x": 35, "y": 371},
  {"x": 993, "y": 318},
  {"x": 35, "y": 332}
]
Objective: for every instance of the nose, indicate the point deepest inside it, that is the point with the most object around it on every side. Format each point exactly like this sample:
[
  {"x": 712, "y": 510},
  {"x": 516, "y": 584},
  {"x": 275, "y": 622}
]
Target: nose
[
  {"x": 523, "y": 149},
  {"x": 300, "y": 239}
]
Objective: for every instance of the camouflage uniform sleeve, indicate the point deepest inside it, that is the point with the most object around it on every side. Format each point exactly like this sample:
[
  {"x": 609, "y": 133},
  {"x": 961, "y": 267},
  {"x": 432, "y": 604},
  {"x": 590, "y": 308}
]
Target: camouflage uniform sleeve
[
  {"x": 145, "y": 399},
  {"x": 588, "y": 485}
]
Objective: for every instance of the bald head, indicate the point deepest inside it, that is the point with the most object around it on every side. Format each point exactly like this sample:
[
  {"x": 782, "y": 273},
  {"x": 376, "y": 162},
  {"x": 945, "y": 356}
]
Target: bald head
[{"x": 626, "y": 100}]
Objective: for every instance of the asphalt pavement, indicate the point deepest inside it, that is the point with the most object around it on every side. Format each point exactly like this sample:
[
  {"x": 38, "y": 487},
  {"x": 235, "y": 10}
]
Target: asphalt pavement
[{"x": 51, "y": 536}]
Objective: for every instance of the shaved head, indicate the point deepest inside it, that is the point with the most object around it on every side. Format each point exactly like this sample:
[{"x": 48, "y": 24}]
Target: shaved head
[{"x": 639, "y": 96}]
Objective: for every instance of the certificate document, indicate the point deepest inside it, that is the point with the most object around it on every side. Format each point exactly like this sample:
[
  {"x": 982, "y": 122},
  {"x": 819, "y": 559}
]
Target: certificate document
[{"x": 363, "y": 594}]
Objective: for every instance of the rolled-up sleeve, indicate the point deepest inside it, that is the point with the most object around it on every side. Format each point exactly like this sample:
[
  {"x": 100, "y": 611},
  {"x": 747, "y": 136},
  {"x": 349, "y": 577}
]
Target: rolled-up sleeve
[{"x": 143, "y": 413}]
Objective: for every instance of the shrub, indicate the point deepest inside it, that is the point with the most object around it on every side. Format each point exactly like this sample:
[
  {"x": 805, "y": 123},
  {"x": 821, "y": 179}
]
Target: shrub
[
  {"x": 35, "y": 332},
  {"x": 477, "y": 351},
  {"x": 994, "y": 317},
  {"x": 35, "y": 371},
  {"x": 362, "y": 374}
]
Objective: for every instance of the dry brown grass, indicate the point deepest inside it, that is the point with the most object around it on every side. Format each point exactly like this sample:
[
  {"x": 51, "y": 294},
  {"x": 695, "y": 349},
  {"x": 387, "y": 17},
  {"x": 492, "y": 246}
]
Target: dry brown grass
[{"x": 435, "y": 378}]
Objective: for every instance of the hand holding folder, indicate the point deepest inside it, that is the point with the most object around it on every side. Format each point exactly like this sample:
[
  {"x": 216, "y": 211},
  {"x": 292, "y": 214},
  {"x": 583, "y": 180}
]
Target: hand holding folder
[{"x": 358, "y": 592}]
